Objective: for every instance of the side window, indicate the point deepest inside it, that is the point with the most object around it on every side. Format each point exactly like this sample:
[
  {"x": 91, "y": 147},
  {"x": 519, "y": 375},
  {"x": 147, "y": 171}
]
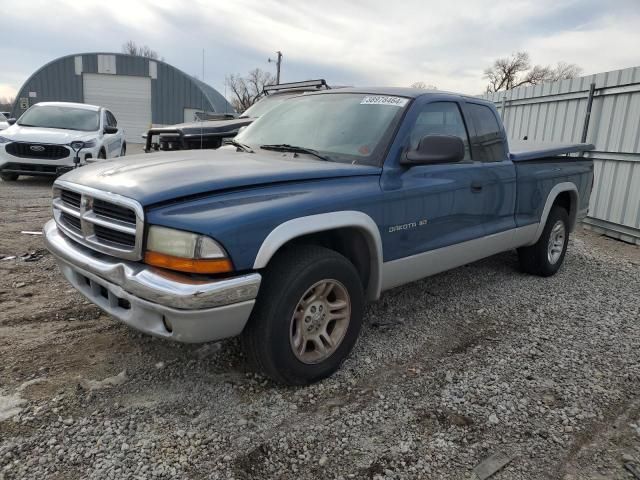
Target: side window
[
  {"x": 442, "y": 118},
  {"x": 488, "y": 143},
  {"x": 111, "y": 120}
]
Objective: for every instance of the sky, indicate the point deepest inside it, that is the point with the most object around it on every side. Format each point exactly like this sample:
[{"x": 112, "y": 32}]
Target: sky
[{"x": 357, "y": 42}]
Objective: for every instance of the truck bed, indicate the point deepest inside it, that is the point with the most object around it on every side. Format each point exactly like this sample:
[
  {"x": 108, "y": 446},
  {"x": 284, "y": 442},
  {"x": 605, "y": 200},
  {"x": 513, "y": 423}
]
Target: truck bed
[{"x": 523, "y": 150}]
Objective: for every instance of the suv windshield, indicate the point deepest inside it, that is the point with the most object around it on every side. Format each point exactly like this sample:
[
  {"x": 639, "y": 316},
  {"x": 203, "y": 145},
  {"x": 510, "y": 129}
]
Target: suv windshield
[
  {"x": 343, "y": 127},
  {"x": 265, "y": 104},
  {"x": 67, "y": 118}
]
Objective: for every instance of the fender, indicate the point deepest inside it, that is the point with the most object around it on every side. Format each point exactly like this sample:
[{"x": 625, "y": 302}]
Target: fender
[
  {"x": 553, "y": 194},
  {"x": 298, "y": 227}
]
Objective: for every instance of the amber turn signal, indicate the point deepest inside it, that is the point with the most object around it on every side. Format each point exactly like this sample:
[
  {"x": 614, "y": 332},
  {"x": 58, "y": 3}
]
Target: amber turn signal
[{"x": 190, "y": 265}]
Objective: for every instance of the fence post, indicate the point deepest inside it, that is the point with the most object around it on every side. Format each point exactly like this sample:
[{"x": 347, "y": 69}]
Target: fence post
[{"x": 587, "y": 116}]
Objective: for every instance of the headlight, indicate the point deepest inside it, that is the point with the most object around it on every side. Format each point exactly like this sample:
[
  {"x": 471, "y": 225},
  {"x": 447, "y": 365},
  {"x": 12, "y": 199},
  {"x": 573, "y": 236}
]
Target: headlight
[
  {"x": 185, "y": 251},
  {"x": 80, "y": 144},
  {"x": 4, "y": 140}
]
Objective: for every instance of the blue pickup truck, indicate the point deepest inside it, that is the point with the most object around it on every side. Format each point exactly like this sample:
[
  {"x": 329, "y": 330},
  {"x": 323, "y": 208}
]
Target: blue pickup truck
[{"x": 319, "y": 206}]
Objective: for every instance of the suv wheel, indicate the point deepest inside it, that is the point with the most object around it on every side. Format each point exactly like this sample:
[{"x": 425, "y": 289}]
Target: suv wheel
[
  {"x": 9, "y": 177},
  {"x": 307, "y": 316},
  {"x": 546, "y": 256}
]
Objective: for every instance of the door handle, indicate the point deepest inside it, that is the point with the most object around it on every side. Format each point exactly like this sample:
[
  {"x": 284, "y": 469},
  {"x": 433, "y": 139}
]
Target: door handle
[{"x": 476, "y": 187}]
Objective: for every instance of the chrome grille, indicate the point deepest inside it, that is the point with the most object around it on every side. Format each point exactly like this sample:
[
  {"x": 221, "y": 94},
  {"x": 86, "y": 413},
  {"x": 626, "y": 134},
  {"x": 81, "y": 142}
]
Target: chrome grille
[{"x": 103, "y": 221}]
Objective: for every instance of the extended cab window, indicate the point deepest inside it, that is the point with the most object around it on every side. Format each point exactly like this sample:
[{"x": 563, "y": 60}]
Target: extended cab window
[
  {"x": 488, "y": 143},
  {"x": 440, "y": 118}
]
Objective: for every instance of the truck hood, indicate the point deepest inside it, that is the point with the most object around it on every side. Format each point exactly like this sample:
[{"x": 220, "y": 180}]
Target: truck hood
[
  {"x": 165, "y": 176},
  {"x": 54, "y": 136}
]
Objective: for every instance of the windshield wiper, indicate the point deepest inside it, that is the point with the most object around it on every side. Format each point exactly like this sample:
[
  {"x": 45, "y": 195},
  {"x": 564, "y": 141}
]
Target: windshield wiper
[
  {"x": 285, "y": 147},
  {"x": 241, "y": 146}
]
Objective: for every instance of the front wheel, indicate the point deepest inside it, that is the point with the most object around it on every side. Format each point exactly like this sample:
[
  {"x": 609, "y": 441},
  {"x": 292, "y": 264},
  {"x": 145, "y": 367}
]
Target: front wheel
[
  {"x": 307, "y": 316},
  {"x": 545, "y": 257},
  {"x": 9, "y": 177},
  {"x": 123, "y": 150}
]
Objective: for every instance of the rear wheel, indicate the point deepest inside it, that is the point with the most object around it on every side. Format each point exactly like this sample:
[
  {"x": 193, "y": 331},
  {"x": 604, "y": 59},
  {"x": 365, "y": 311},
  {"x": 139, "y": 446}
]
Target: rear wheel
[
  {"x": 307, "y": 316},
  {"x": 123, "y": 150},
  {"x": 546, "y": 256},
  {"x": 9, "y": 177}
]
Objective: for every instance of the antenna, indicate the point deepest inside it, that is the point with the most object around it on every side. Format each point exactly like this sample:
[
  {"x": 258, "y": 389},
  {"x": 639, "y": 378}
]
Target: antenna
[{"x": 201, "y": 121}]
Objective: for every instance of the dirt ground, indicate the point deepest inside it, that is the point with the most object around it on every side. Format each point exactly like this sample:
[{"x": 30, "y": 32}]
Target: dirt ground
[{"x": 53, "y": 343}]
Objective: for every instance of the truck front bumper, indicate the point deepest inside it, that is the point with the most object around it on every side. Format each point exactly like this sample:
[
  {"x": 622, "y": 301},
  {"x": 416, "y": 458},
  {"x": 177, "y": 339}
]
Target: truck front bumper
[{"x": 152, "y": 300}]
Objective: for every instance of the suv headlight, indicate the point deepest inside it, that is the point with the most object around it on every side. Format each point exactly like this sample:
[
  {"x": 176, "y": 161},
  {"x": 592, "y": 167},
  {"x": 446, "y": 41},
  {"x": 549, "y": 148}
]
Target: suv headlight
[
  {"x": 185, "y": 251},
  {"x": 4, "y": 140}
]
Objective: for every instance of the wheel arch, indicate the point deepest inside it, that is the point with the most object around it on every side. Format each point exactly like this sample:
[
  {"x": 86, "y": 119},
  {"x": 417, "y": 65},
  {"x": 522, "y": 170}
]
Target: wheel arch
[
  {"x": 565, "y": 194},
  {"x": 332, "y": 227}
]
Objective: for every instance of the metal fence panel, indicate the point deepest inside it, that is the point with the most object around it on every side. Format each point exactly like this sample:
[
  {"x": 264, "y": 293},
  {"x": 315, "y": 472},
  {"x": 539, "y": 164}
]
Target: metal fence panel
[{"x": 555, "y": 112}]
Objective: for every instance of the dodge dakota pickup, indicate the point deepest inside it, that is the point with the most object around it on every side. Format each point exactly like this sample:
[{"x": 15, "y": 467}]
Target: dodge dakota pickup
[{"x": 318, "y": 206}]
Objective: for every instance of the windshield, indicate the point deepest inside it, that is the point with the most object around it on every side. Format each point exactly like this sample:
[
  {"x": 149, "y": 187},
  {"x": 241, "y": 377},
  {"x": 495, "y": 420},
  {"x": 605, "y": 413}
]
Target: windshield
[
  {"x": 67, "y": 118},
  {"x": 343, "y": 127},
  {"x": 265, "y": 104}
]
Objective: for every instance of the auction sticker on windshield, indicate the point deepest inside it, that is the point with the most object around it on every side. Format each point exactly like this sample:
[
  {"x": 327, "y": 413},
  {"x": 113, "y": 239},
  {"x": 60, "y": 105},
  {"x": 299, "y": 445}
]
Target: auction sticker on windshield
[{"x": 384, "y": 100}]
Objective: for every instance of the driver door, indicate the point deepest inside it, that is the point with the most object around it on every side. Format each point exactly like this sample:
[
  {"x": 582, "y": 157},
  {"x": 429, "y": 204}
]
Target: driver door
[{"x": 434, "y": 206}]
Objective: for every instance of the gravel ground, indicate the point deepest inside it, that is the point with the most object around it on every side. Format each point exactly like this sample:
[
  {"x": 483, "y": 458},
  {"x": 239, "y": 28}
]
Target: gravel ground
[{"x": 448, "y": 371}]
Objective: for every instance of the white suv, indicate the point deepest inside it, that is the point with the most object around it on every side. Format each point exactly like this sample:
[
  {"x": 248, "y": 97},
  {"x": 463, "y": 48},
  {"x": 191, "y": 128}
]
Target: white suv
[{"x": 40, "y": 142}]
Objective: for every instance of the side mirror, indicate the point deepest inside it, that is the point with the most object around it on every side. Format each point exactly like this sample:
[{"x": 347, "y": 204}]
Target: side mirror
[
  {"x": 11, "y": 121},
  {"x": 109, "y": 130},
  {"x": 435, "y": 149}
]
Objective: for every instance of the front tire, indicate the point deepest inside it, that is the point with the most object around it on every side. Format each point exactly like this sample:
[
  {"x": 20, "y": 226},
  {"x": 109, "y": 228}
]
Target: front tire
[
  {"x": 9, "y": 177},
  {"x": 545, "y": 257},
  {"x": 307, "y": 316},
  {"x": 123, "y": 150},
  {"x": 102, "y": 154}
]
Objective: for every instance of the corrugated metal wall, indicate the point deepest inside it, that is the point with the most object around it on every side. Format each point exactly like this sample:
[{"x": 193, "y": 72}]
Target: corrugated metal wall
[
  {"x": 171, "y": 92},
  {"x": 555, "y": 112}
]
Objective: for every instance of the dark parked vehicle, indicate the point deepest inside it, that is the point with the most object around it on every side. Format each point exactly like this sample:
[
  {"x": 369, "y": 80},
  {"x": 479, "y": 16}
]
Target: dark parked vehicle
[{"x": 211, "y": 133}]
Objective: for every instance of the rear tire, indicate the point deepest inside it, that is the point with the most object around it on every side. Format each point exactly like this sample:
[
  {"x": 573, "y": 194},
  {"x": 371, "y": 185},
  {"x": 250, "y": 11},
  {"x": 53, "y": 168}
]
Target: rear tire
[
  {"x": 123, "y": 150},
  {"x": 9, "y": 177},
  {"x": 545, "y": 257},
  {"x": 102, "y": 155},
  {"x": 297, "y": 333}
]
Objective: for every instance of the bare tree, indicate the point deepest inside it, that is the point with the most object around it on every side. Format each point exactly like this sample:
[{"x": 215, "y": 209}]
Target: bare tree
[
  {"x": 423, "y": 86},
  {"x": 564, "y": 71},
  {"x": 516, "y": 71},
  {"x": 506, "y": 72},
  {"x": 247, "y": 90},
  {"x": 132, "y": 48}
]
